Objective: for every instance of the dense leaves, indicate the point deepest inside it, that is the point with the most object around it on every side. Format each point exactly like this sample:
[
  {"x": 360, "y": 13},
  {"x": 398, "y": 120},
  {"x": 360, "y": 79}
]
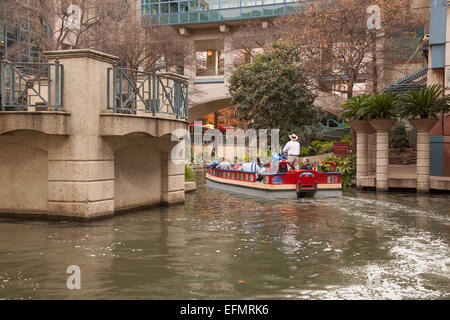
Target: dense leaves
[
  {"x": 381, "y": 106},
  {"x": 347, "y": 168},
  {"x": 424, "y": 103},
  {"x": 271, "y": 93},
  {"x": 353, "y": 108}
]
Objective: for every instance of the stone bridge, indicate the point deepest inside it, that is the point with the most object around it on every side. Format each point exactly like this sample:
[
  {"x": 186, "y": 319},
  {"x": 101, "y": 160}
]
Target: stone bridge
[{"x": 94, "y": 144}]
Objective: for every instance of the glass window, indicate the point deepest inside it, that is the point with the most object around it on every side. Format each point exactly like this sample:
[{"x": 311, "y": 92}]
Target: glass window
[
  {"x": 291, "y": 8},
  {"x": 273, "y": 10},
  {"x": 184, "y": 17},
  {"x": 230, "y": 14},
  {"x": 184, "y": 6},
  {"x": 214, "y": 15},
  {"x": 163, "y": 20},
  {"x": 231, "y": 4},
  {"x": 250, "y": 3},
  {"x": 155, "y": 9},
  {"x": 164, "y": 8},
  {"x": 173, "y": 18},
  {"x": 193, "y": 5},
  {"x": 193, "y": 17},
  {"x": 251, "y": 12},
  {"x": 405, "y": 42},
  {"x": 204, "y": 16},
  {"x": 209, "y": 4},
  {"x": 173, "y": 7}
]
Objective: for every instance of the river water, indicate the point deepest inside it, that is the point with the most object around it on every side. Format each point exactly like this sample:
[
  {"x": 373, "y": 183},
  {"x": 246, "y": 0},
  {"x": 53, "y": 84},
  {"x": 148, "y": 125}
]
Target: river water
[{"x": 365, "y": 245}]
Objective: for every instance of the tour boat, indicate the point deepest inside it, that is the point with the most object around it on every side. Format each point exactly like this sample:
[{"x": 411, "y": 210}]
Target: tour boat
[{"x": 292, "y": 184}]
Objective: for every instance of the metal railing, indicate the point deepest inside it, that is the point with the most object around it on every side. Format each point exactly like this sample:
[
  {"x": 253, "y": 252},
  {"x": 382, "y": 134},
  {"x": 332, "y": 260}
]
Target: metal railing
[
  {"x": 135, "y": 92},
  {"x": 31, "y": 86}
]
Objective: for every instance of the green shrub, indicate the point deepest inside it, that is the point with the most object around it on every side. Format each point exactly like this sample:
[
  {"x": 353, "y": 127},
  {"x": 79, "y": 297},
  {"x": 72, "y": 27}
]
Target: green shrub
[
  {"x": 347, "y": 167},
  {"x": 401, "y": 136},
  {"x": 188, "y": 173}
]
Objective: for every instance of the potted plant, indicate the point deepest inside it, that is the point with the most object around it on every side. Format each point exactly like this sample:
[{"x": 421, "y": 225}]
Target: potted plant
[
  {"x": 381, "y": 110},
  {"x": 423, "y": 107},
  {"x": 354, "y": 113}
]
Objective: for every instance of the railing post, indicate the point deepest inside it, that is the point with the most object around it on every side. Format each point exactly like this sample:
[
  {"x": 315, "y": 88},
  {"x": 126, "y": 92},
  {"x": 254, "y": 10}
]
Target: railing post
[
  {"x": 11, "y": 85},
  {"x": 176, "y": 98},
  {"x": 114, "y": 89},
  {"x": 186, "y": 102},
  {"x": 120, "y": 89},
  {"x": 62, "y": 85},
  {"x": 154, "y": 94},
  {"x": 2, "y": 85},
  {"x": 56, "y": 84}
]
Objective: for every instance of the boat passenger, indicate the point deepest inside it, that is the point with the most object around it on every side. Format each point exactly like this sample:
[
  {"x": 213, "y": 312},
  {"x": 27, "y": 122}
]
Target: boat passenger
[
  {"x": 225, "y": 165},
  {"x": 292, "y": 148},
  {"x": 252, "y": 167},
  {"x": 305, "y": 164}
]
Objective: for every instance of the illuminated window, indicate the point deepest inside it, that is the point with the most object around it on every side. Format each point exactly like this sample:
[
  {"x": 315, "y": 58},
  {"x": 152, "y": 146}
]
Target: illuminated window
[{"x": 404, "y": 44}]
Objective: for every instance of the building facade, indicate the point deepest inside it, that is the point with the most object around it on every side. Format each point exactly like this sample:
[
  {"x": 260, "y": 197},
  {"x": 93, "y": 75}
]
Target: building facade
[{"x": 439, "y": 73}]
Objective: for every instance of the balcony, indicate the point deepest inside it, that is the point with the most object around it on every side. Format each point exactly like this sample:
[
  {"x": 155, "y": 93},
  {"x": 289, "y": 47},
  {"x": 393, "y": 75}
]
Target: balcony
[{"x": 31, "y": 98}]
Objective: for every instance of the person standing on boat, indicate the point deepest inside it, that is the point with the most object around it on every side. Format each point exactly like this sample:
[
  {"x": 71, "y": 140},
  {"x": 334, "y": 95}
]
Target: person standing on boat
[{"x": 292, "y": 148}]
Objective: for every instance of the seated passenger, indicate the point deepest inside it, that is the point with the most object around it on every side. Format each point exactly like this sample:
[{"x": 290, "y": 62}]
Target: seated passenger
[
  {"x": 251, "y": 167},
  {"x": 305, "y": 164},
  {"x": 225, "y": 165}
]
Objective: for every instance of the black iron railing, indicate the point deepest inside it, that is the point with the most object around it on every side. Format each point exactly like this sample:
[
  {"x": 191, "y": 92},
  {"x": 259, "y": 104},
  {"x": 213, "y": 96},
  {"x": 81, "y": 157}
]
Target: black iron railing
[
  {"x": 133, "y": 92},
  {"x": 31, "y": 86}
]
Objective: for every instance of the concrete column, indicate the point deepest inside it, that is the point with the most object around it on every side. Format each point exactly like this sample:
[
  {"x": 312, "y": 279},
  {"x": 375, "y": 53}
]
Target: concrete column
[
  {"x": 372, "y": 153},
  {"x": 227, "y": 56},
  {"x": 423, "y": 127},
  {"x": 81, "y": 166},
  {"x": 382, "y": 128},
  {"x": 361, "y": 127},
  {"x": 172, "y": 175},
  {"x": 361, "y": 157}
]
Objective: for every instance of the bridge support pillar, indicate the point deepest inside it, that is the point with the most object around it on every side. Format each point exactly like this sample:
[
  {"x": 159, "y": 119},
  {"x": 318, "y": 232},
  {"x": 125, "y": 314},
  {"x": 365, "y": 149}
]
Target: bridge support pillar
[
  {"x": 423, "y": 127},
  {"x": 382, "y": 128},
  {"x": 362, "y": 128},
  {"x": 172, "y": 175}
]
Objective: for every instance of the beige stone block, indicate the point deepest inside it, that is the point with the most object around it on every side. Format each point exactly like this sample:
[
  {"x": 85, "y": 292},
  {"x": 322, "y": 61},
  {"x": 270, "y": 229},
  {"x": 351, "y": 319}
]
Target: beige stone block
[
  {"x": 173, "y": 197},
  {"x": 172, "y": 167},
  {"x": 172, "y": 183},
  {"x": 62, "y": 170},
  {"x": 82, "y": 209},
  {"x": 423, "y": 138},
  {"x": 382, "y": 147},
  {"x": 382, "y": 139},
  {"x": 80, "y": 148},
  {"x": 423, "y": 179},
  {"x": 361, "y": 162},
  {"x": 423, "y": 147},
  {"x": 382, "y": 162},
  {"x": 80, "y": 191},
  {"x": 382, "y": 185},
  {"x": 423, "y": 170},
  {"x": 382, "y": 177}
]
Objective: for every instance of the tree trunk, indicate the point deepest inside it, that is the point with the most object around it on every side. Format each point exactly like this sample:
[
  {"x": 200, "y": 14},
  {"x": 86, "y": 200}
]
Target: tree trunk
[{"x": 374, "y": 64}]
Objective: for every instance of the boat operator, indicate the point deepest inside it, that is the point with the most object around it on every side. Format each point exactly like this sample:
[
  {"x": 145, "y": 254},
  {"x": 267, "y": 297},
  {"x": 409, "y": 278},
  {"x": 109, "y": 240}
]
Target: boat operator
[{"x": 292, "y": 148}]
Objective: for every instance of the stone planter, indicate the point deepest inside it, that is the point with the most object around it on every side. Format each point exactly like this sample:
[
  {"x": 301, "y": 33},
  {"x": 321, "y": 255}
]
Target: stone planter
[
  {"x": 382, "y": 128},
  {"x": 361, "y": 126},
  {"x": 423, "y": 127}
]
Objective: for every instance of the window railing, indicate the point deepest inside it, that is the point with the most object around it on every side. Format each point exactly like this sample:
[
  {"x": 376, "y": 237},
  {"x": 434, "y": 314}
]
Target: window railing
[
  {"x": 31, "y": 86},
  {"x": 136, "y": 92}
]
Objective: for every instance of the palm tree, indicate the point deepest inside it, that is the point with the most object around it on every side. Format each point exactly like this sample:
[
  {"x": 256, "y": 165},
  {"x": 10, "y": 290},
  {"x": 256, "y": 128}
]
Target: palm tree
[
  {"x": 353, "y": 108},
  {"x": 381, "y": 106},
  {"x": 425, "y": 103}
]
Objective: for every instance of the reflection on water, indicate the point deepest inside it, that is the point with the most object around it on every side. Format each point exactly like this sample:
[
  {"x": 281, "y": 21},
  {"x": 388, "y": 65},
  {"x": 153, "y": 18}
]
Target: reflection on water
[{"x": 224, "y": 246}]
